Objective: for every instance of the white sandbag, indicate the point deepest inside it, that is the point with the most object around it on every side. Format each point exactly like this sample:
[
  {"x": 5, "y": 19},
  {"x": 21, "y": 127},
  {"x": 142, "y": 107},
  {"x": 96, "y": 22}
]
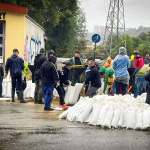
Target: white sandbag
[
  {"x": 108, "y": 118},
  {"x": 32, "y": 89},
  {"x": 67, "y": 94},
  {"x": 146, "y": 120},
  {"x": 102, "y": 86},
  {"x": 138, "y": 120},
  {"x": 4, "y": 89},
  {"x": 85, "y": 113},
  {"x": 121, "y": 119},
  {"x": 73, "y": 99},
  {"x": 71, "y": 96},
  {"x": 116, "y": 117},
  {"x": 102, "y": 115},
  {"x": 64, "y": 114},
  {"x": 129, "y": 117},
  {"x": 8, "y": 90},
  {"x": 96, "y": 112},
  {"x": 27, "y": 92},
  {"x": 89, "y": 117}
]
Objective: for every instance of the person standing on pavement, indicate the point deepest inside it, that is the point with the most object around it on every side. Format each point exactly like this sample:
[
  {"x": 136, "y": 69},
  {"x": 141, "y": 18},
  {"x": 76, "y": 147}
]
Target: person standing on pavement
[
  {"x": 94, "y": 78},
  {"x": 39, "y": 60},
  {"x": 50, "y": 79},
  {"x": 16, "y": 65},
  {"x": 64, "y": 82},
  {"x": 120, "y": 65},
  {"x": 140, "y": 81},
  {"x": 76, "y": 60},
  {"x": 1, "y": 78},
  {"x": 24, "y": 84}
]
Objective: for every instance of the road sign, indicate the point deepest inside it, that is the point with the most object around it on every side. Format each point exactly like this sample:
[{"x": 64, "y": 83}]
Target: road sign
[{"x": 96, "y": 38}]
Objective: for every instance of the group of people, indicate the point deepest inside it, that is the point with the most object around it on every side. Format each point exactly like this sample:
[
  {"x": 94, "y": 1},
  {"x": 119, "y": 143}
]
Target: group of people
[
  {"x": 47, "y": 77},
  {"x": 124, "y": 74}
]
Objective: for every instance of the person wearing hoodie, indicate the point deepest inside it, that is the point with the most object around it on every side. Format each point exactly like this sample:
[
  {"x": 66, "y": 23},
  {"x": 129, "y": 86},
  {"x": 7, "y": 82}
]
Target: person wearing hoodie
[
  {"x": 50, "y": 80},
  {"x": 39, "y": 60},
  {"x": 147, "y": 59},
  {"x": 120, "y": 65},
  {"x": 16, "y": 65},
  {"x": 108, "y": 62},
  {"x": 107, "y": 73}
]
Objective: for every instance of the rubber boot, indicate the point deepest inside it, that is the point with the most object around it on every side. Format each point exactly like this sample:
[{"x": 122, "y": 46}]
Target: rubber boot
[
  {"x": 35, "y": 100},
  {"x": 17, "y": 95},
  {"x": 13, "y": 96},
  {"x": 21, "y": 97},
  {"x": 40, "y": 101}
]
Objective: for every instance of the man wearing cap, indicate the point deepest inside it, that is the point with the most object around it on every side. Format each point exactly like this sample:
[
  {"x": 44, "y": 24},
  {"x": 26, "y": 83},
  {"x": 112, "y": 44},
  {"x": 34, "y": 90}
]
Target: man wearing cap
[
  {"x": 16, "y": 65},
  {"x": 76, "y": 60},
  {"x": 39, "y": 60},
  {"x": 52, "y": 53}
]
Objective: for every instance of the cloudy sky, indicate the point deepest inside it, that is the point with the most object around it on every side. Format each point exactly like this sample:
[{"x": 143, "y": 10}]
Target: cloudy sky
[{"x": 137, "y": 12}]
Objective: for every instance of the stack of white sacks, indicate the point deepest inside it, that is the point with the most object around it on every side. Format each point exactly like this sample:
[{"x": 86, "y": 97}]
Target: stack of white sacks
[
  {"x": 28, "y": 93},
  {"x": 111, "y": 111}
]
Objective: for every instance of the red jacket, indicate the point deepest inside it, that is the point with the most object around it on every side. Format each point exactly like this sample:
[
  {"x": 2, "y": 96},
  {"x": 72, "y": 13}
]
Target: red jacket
[{"x": 138, "y": 62}]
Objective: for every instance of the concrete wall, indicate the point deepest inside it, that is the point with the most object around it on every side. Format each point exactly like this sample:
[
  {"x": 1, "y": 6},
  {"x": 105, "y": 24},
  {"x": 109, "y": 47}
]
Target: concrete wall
[{"x": 33, "y": 41}]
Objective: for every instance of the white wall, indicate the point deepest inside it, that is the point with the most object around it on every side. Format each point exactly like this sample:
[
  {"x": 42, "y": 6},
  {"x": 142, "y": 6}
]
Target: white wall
[{"x": 34, "y": 41}]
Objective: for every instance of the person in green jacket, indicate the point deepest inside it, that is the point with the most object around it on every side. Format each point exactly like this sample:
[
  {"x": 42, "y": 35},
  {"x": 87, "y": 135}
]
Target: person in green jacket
[
  {"x": 107, "y": 73},
  {"x": 76, "y": 60},
  {"x": 24, "y": 84}
]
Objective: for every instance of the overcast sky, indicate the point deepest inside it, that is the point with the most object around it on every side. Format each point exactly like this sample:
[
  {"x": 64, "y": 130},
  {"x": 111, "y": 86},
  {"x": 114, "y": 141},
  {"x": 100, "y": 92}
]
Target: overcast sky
[{"x": 137, "y": 12}]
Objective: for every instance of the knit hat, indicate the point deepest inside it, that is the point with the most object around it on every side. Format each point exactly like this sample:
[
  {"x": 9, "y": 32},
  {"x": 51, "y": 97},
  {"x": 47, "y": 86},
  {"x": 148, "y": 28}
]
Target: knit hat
[
  {"x": 122, "y": 51},
  {"x": 42, "y": 50},
  {"x": 77, "y": 52},
  {"x": 136, "y": 51}
]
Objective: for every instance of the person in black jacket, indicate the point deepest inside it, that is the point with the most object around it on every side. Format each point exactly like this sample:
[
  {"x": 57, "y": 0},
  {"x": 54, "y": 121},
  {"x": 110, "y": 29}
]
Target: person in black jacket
[
  {"x": 49, "y": 80},
  {"x": 63, "y": 76},
  {"x": 147, "y": 78},
  {"x": 147, "y": 59},
  {"x": 39, "y": 60},
  {"x": 16, "y": 65},
  {"x": 94, "y": 78},
  {"x": 1, "y": 79}
]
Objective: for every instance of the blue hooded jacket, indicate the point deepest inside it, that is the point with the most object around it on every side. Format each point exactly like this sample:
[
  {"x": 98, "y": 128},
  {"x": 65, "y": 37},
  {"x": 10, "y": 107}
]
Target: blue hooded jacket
[
  {"x": 15, "y": 64},
  {"x": 121, "y": 63}
]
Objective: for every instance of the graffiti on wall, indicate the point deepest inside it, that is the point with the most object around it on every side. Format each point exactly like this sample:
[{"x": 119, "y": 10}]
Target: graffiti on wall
[{"x": 31, "y": 48}]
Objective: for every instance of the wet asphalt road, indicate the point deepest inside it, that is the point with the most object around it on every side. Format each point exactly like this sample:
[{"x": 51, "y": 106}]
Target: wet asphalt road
[{"x": 28, "y": 127}]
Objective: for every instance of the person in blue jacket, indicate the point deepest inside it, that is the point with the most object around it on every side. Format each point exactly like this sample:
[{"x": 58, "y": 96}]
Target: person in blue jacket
[{"x": 120, "y": 65}]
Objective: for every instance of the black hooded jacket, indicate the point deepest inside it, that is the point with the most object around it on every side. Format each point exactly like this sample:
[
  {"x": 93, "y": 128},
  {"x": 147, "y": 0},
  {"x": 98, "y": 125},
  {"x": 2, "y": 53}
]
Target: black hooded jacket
[
  {"x": 94, "y": 77},
  {"x": 49, "y": 72},
  {"x": 39, "y": 60},
  {"x": 63, "y": 75},
  {"x": 15, "y": 64},
  {"x": 147, "y": 60}
]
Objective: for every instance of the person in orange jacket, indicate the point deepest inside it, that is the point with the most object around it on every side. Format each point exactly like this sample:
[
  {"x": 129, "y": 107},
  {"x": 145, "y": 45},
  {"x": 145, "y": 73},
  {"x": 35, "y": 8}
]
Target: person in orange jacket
[{"x": 108, "y": 62}]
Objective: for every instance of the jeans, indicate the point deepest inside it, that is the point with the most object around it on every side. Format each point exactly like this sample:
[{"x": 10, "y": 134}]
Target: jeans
[
  {"x": 140, "y": 82},
  {"x": 61, "y": 93},
  {"x": 24, "y": 85},
  {"x": 1, "y": 85},
  {"x": 14, "y": 80},
  {"x": 148, "y": 94},
  {"x": 48, "y": 95},
  {"x": 124, "y": 87}
]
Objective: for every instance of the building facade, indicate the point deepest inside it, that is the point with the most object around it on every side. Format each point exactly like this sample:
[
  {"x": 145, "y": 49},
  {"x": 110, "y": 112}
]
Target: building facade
[{"x": 18, "y": 30}]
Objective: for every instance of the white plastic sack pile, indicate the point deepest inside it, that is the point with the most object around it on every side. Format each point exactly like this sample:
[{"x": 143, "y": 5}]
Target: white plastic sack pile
[
  {"x": 111, "y": 111},
  {"x": 72, "y": 93}
]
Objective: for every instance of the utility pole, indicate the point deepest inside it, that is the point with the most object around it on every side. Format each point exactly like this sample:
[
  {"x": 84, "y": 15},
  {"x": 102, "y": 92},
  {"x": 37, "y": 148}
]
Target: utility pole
[{"x": 115, "y": 27}]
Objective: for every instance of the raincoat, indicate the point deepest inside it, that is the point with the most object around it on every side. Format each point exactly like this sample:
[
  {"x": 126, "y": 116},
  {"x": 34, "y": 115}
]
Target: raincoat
[
  {"x": 108, "y": 75},
  {"x": 107, "y": 64}
]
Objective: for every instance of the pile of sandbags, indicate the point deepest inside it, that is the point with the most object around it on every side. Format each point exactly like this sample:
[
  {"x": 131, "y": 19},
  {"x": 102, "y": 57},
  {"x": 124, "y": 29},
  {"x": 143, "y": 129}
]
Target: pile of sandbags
[
  {"x": 72, "y": 93},
  {"x": 111, "y": 112}
]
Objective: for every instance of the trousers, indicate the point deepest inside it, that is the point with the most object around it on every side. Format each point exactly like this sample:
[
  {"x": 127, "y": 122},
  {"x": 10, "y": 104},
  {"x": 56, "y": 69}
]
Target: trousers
[
  {"x": 17, "y": 80},
  {"x": 38, "y": 94},
  {"x": 91, "y": 91},
  {"x": 48, "y": 95},
  {"x": 124, "y": 87},
  {"x": 61, "y": 93}
]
